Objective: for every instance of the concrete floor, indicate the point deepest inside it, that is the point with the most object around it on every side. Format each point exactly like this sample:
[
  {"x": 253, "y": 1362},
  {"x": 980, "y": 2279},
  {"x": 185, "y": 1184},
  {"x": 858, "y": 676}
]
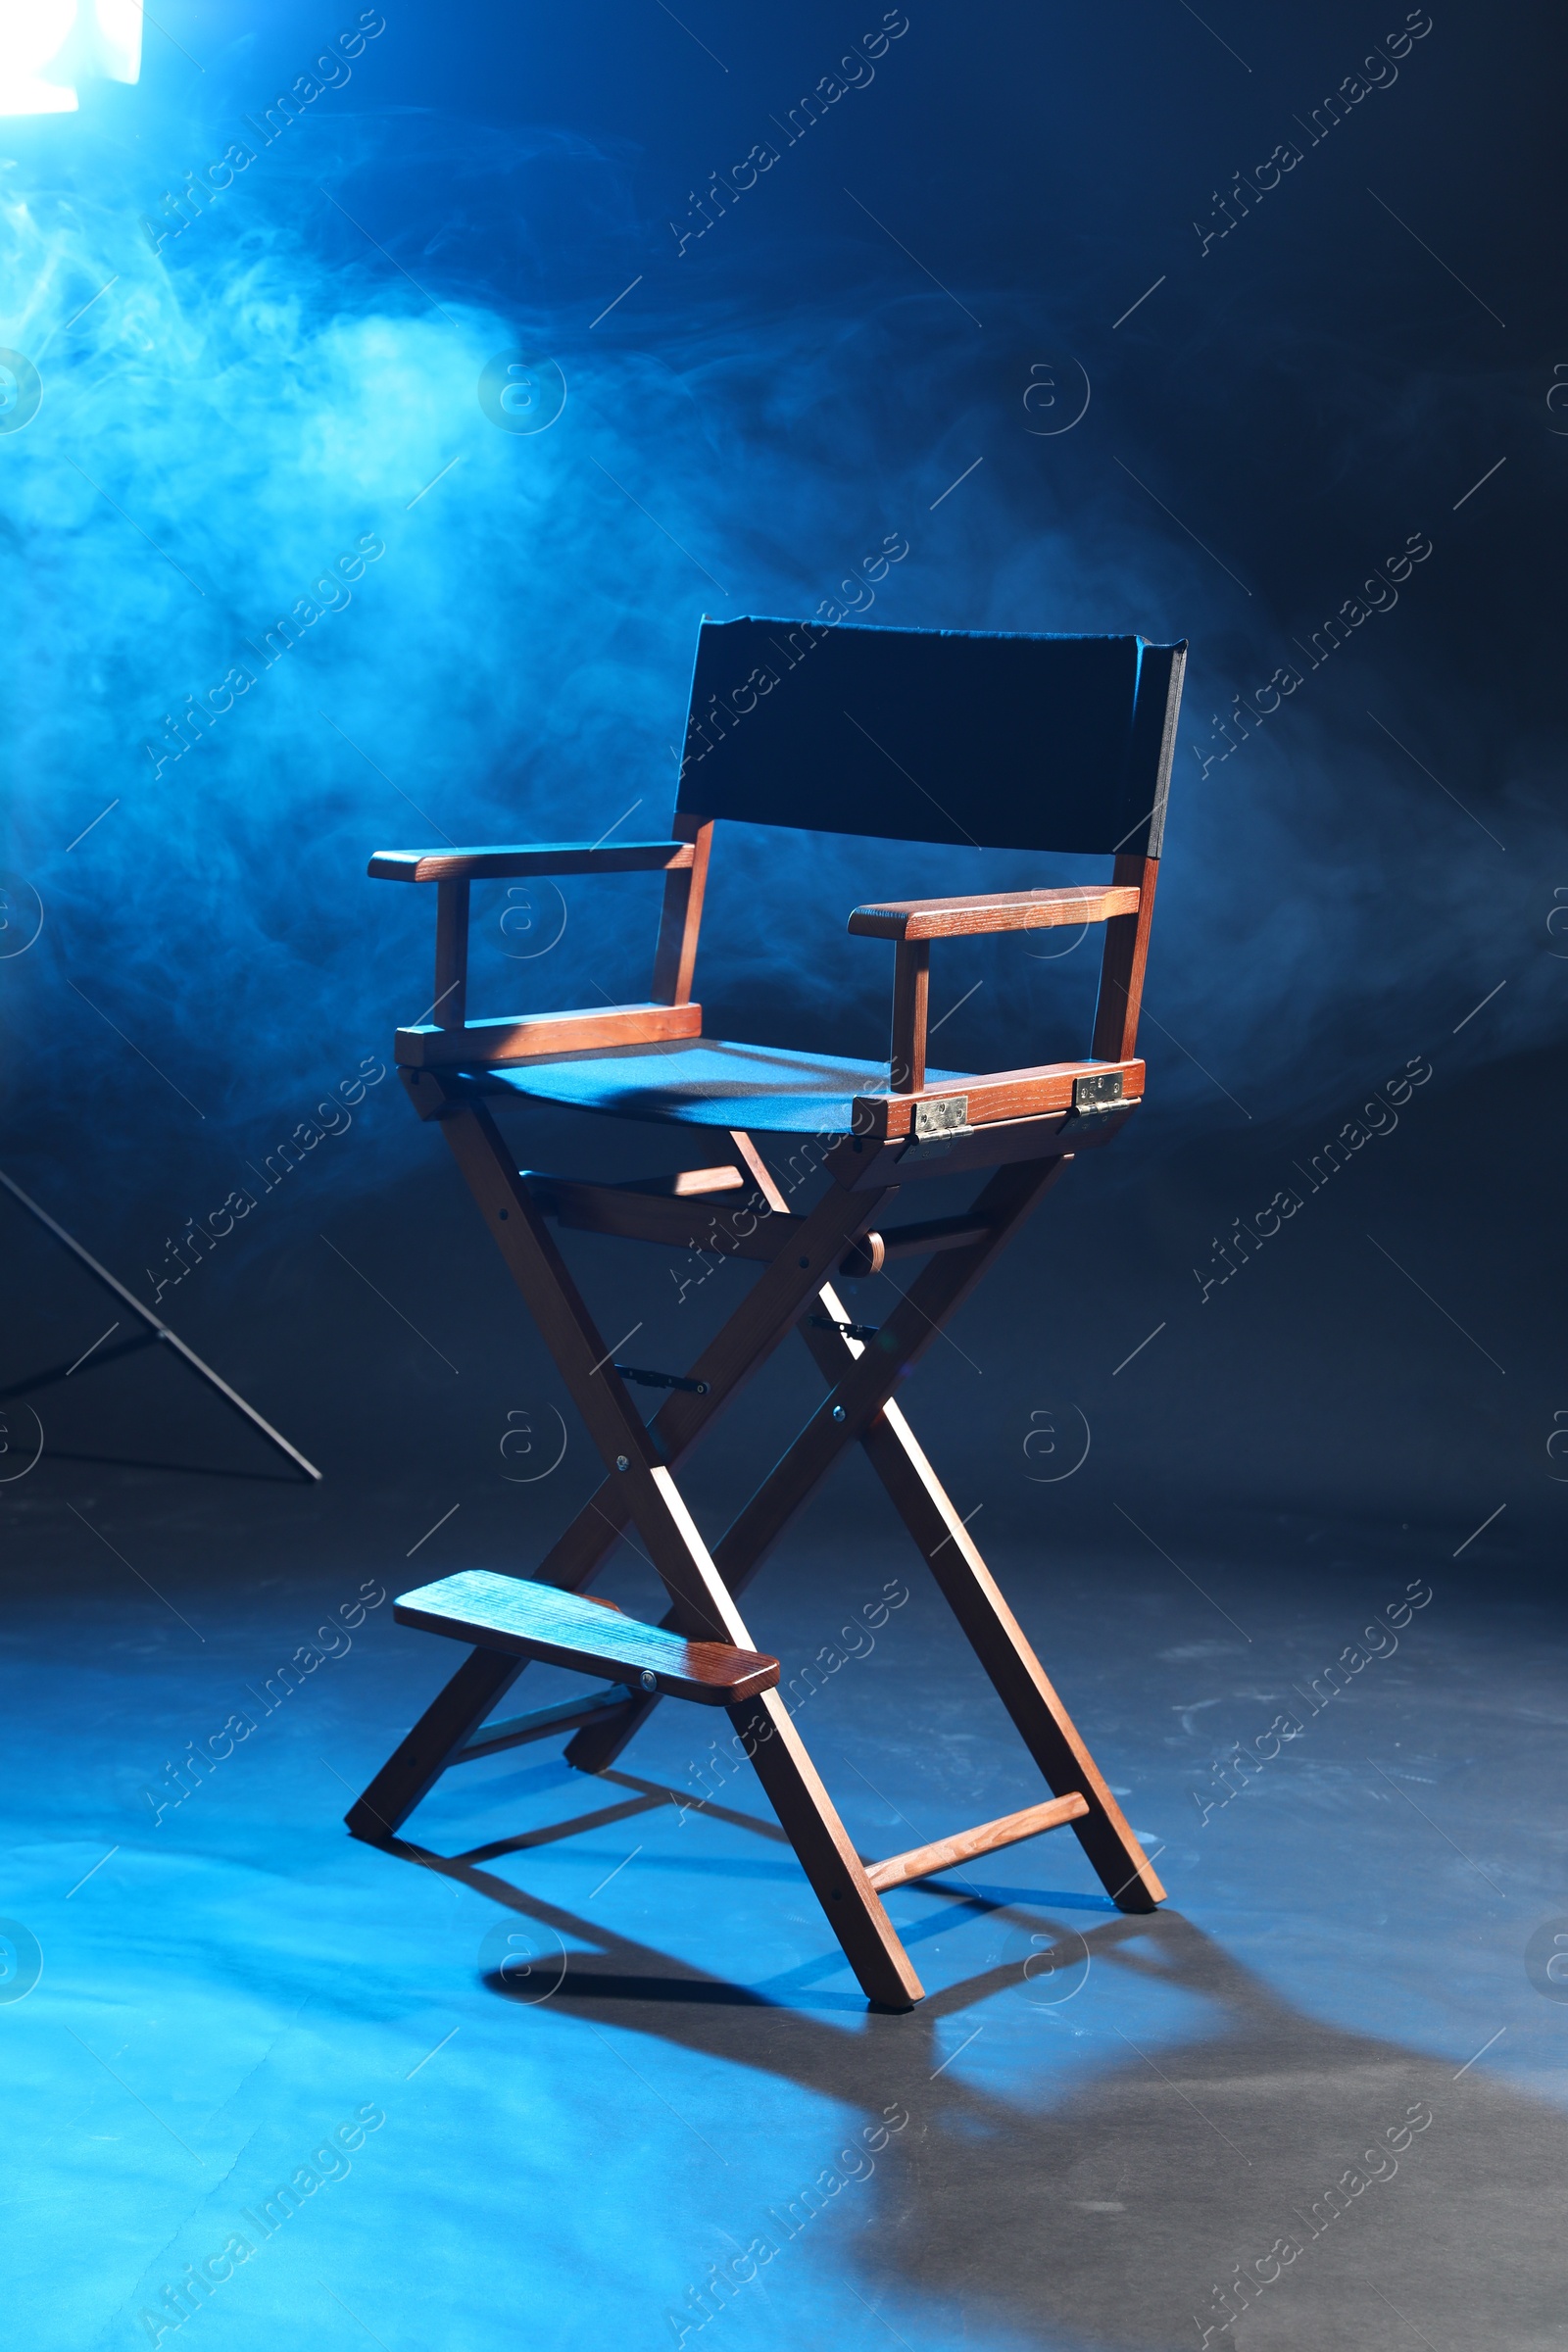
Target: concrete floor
[{"x": 631, "y": 2093}]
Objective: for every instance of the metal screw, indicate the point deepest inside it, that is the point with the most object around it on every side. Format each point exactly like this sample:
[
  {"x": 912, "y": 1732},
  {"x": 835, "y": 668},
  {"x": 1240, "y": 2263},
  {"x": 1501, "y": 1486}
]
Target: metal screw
[
  {"x": 648, "y": 1679},
  {"x": 620, "y": 1461},
  {"x": 838, "y": 1412}
]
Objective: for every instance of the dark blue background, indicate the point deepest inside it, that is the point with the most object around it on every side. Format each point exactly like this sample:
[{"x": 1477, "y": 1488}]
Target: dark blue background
[{"x": 296, "y": 368}]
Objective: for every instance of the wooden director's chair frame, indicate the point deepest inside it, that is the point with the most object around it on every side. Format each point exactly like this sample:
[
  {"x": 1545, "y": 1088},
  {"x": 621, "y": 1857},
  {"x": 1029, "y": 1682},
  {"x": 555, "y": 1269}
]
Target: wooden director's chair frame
[{"x": 1018, "y": 1128}]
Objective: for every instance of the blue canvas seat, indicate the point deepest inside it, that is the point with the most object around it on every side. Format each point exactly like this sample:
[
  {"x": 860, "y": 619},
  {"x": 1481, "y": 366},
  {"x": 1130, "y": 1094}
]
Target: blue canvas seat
[{"x": 709, "y": 1082}]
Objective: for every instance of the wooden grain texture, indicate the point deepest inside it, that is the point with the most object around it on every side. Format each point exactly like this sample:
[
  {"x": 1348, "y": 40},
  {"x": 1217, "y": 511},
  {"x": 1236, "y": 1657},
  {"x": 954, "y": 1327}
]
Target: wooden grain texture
[
  {"x": 680, "y": 918},
  {"x": 750, "y": 1336},
  {"x": 540, "y": 1036},
  {"x": 599, "y": 1744},
  {"x": 911, "y": 1241},
  {"x": 1001, "y": 1094},
  {"x": 923, "y": 1861},
  {"x": 995, "y": 910},
  {"x": 1121, "y": 968},
  {"x": 564, "y": 1628},
  {"x": 911, "y": 996},
  {"x": 530, "y": 858}
]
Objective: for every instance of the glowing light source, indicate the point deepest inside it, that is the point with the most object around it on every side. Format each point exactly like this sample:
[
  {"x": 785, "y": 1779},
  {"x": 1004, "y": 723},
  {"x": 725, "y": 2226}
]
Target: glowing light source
[{"x": 48, "y": 46}]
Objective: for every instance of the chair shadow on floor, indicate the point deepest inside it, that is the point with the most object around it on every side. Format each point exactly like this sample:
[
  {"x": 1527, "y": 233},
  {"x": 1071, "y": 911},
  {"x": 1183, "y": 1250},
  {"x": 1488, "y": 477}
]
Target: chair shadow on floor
[{"x": 1107, "y": 2211}]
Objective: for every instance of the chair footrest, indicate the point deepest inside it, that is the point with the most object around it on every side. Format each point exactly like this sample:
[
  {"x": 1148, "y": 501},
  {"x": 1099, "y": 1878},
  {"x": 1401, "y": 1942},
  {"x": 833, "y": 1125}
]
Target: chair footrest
[
  {"x": 530, "y": 1620},
  {"x": 922, "y": 1860}
]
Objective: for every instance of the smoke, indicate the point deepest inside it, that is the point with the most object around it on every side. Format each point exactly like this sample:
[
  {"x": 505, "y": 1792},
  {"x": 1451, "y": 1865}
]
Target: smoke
[{"x": 488, "y": 633}]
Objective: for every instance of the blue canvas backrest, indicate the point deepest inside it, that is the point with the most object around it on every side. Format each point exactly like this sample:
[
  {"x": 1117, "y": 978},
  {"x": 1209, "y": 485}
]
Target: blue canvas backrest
[{"x": 970, "y": 737}]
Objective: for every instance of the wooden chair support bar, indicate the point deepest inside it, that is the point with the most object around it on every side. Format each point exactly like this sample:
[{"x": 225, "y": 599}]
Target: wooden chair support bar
[
  {"x": 757, "y": 1327},
  {"x": 450, "y": 1003},
  {"x": 1121, "y": 969},
  {"x": 912, "y": 1000},
  {"x": 923, "y": 1861},
  {"x": 911, "y": 1241},
  {"x": 681, "y": 916},
  {"x": 538, "y": 1035},
  {"x": 747, "y": 1228},
  {"x": 679, "y": 1220},
  {"x": 687, "y": 1184},
  {"x": 998, "y": 911},
  {"x": 568, "y": 1715},
  {"x": 528, "y": 1620}
]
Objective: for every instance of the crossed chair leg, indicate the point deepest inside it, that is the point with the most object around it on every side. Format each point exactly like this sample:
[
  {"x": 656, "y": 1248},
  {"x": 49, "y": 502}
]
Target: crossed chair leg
[{"x": 640, "y": 1489}]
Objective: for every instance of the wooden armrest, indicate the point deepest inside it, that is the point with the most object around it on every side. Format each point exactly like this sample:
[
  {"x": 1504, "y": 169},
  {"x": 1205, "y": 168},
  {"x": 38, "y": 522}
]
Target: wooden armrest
[
  {"x": 999, "y": 910},
  {"x": 530, "y": 1620},
  {"x": 536, "y": 857}
]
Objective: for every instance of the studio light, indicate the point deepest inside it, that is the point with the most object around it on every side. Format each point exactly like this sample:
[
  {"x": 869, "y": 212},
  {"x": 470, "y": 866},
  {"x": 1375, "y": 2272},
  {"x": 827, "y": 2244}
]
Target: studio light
[{"x": 48, "y": 46}]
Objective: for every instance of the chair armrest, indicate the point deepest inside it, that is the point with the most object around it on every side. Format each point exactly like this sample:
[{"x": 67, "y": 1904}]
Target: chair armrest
[
  {"x": 536, "y": 857},
  {"x": 1003, "y": 910}
]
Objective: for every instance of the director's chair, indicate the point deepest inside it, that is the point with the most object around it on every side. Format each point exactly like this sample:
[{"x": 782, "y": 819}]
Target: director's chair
[{"x": 1058, "y": 743}]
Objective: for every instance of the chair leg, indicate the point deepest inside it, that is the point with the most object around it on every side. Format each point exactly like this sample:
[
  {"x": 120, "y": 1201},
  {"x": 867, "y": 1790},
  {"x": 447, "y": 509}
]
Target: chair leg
[
  {"x": 1006, "y": 1201},
  {"x": 999, "y": 1643},
  {"x": 811, "y": 1822},
  {"x": 418, "y": 1761},
  {"x": 702, "y": 1605},
  {"x": 867, "y": 1381},
  {"x": 998, "y": 1640},
  {"x": 758, "y": 1324}
]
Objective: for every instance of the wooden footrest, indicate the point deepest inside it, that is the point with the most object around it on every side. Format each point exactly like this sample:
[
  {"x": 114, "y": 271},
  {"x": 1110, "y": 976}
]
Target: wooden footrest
[
  {"x": 921, "y": 1860},
  {"x": 537, "y": 1621}
]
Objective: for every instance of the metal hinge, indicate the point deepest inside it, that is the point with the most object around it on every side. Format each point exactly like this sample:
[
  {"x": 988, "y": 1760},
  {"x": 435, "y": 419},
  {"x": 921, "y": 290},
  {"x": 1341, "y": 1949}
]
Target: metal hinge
[
  {"x": 850, "y": 1331},
  {"x": 941, "y": 1114},
  {"x": 1100, "y": 1090},
  {"x": 661, "y": 1380}
]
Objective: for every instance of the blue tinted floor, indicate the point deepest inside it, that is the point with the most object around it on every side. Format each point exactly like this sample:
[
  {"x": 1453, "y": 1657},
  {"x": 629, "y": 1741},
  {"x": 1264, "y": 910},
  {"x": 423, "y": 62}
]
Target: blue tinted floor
[{"x": 578, "y": 2067}]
